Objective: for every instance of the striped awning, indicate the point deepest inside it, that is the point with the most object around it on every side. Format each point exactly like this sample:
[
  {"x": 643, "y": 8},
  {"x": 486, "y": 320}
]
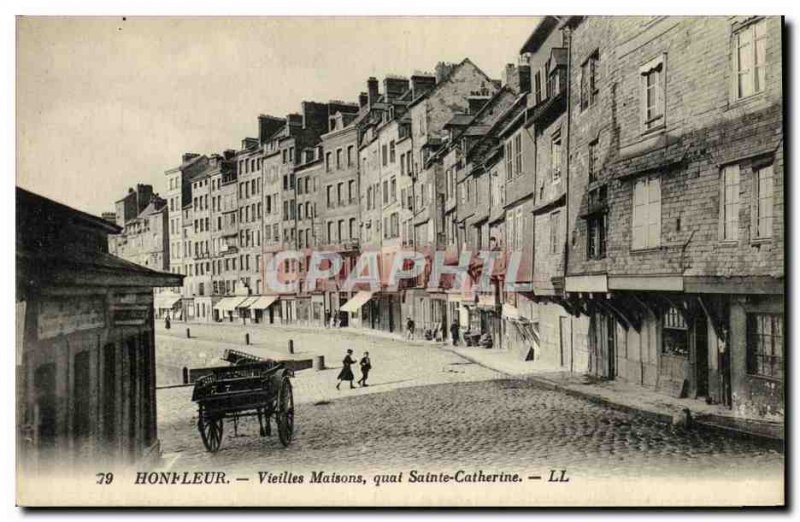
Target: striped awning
[
  {"x": 356, "y": 302},
  {"x": 165, "y": 301},
  {"x": 229, "y": 304},
  {"x": 263, "y": 302},
  {"x": 247, "y": 302}
]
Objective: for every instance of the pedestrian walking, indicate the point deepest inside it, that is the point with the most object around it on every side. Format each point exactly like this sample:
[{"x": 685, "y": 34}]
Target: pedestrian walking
[
  {"x": 366, "y": 366},
  {"x": 454, "y": 332},
  {"x": 327, "y": 318},
  {"x": 410, "y": 328},
  {"x": 347, "y": 373},
  {"x": 167, "y": 323}
]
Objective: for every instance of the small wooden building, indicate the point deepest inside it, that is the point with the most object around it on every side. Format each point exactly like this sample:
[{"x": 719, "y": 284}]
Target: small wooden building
[{"x": 85, "y": 350}]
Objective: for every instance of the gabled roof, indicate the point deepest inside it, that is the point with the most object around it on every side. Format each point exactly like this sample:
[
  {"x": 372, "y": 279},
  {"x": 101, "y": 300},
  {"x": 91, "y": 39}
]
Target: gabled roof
[
  {"x": 545, "y": 26},
  {"x": 151, "y": 208},
  {"x": 446, "y": 79}
]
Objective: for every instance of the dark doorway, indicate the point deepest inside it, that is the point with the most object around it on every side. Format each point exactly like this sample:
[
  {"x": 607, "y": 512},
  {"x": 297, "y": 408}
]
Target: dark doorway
[
  {"x": 701, "y": 357},
  {"x": 44, "y": 382},
  {"x": 611, "y": 342}
]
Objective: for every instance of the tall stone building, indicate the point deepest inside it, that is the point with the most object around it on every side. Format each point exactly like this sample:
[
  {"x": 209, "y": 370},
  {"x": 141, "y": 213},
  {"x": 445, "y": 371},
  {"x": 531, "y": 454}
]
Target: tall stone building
[
  {"x": 675, "y": 204},
  {"x": 144, "y": 240},
  {"x": 429, "y": 112}
]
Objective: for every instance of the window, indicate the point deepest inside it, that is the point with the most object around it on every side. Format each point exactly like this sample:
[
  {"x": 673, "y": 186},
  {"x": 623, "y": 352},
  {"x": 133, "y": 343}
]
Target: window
[
  {"x": 339, "y": 193},
  {"x": 385, "y": 192},
  {"x": 729, "y": 203},
  {"x": 589, "y": 80},
  {"x": 594, "y": 160},
  {"x": 555, "y": 157},
  {"x": 391, "y": 152},
  {"x": 329, "y": 191},
  {"x": 537, "y": 85},
  {"x": 384, "y": 155},
  {"x": 393, "y": 189},
  {"x": 395, "y": 224},
  {"x": 764, "y": 187},
  {"x": 765, "y": 345},
  {"x": 646, "y": 214},
  {"x": 349, "y": 155},
  {"x": 653, "y": 101},
  {"x": 518, "y": 154},
  {"x": 675, "y": 333},
  {"x": 402, "y": 164},
  {"x": 554, "y": 217},
  {"x": 338, "y": 158},
  {"x": 369, "y": 198},
  {"x": 351, "y": 191},
  {"x": 509, "y": 160},
  {"x": 596, "y": 236},
  {"x": 750, "y": 57}
]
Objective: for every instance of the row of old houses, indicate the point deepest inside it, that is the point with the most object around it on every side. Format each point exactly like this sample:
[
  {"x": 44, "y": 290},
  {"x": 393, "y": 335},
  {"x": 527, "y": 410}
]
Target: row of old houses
[{"x": 634, "y": 163}]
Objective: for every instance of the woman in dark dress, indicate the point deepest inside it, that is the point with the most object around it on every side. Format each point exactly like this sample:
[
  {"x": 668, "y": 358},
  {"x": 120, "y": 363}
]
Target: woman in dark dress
[{"x": 346, "y": 374}]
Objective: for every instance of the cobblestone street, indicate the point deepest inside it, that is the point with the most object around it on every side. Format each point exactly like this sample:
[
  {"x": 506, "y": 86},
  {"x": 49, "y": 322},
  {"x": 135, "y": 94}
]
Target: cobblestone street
[{"x": 453, "y": 414}]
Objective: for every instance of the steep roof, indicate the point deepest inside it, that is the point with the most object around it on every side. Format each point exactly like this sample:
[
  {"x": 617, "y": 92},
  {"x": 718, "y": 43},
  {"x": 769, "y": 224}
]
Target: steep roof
[{"x": 446, "y": 79}]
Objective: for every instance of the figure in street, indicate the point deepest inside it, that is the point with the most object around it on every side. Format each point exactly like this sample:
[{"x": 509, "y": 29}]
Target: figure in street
[
  {"x": 167, "y": 323},
  {"x": 410, "y": 328},
  {"x": 454, "y": 332},
  {"x": 347, "y": 373},
  {"x": 366, "y": 366}
]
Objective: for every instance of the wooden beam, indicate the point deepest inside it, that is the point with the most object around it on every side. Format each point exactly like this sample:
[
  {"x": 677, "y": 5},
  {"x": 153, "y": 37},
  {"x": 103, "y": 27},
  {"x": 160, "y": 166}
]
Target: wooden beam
[{"x": 717, "y": 323}]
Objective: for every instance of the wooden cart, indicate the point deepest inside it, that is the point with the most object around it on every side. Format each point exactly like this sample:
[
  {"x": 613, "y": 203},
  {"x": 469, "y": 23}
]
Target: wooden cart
[{"x": 260, "y": 389}]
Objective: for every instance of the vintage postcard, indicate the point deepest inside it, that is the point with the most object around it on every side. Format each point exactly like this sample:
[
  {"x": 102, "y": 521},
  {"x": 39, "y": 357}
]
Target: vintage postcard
[{"x": 400, "y": 261}]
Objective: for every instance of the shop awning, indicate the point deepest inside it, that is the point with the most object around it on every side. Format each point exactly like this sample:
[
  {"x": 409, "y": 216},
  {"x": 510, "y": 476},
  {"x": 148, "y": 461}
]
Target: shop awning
[
  {"x": 165, "y": 301},
  {"x": 247, "y": 302},
  {"x": 263, "y": 302},
  {"x": 358, "y": 300},
  {"x": 228, "y": 304}
]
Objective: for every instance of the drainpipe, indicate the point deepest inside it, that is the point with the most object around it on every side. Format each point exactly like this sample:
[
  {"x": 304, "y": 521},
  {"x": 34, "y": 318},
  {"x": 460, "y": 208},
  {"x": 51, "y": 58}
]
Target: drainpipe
[{"x": 567, "y": 173}]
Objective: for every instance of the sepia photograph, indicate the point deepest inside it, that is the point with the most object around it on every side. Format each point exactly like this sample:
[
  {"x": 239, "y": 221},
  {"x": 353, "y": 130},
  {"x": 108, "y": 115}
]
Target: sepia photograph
[{"x": 400, "y": 261}]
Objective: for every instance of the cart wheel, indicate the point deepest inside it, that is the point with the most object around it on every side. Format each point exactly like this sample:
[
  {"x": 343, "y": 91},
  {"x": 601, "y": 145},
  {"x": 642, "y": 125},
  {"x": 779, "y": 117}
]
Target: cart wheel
[
  {"x": 210, "y": 432},
  {"x": 284, "y": 414}
]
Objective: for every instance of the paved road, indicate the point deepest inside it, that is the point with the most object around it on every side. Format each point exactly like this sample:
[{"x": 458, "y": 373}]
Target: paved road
[{"x": 501, "y": 425}]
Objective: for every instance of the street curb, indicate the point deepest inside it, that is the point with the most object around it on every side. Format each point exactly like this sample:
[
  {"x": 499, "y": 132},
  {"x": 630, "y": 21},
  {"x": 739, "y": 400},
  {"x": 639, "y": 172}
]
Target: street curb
[
  {"x": 348, "y": 329},
  {"x": 168, "y": 386},
  {"x": 662, "y": 418}
]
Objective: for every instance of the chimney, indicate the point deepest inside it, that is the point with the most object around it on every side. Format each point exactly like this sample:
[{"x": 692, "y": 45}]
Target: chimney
[
  {"x": 294, "y": 120},
  {"x": 443, "y": 70},
  {"x": 517, "y": 78},
  {"x": 421, "y": 83},
  {"x": 394, "y": 87},
  {"x": 363, "y": 100},
  {"x": 267, "y": 126},
  {"x": 188, "y": 156},
  {"x": 372, "y": 90}
]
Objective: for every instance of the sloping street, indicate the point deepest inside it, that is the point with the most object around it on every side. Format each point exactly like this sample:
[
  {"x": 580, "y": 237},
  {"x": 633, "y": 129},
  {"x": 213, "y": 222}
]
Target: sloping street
[{"x": 427, "y": 408}]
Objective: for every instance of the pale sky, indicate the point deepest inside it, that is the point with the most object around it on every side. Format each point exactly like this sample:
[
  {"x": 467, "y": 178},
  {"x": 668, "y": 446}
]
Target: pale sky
[{"x": 104, "y": 103}]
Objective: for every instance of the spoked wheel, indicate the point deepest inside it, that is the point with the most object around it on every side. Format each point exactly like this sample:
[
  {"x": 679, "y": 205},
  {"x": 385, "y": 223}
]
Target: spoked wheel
[
  {"x": 210, "y": 432},
  {"x": 284, "y": 413}
]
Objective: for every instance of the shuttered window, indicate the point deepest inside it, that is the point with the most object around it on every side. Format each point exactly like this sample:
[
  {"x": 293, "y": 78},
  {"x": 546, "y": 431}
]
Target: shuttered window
[{"x": 646, "y": 229}]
